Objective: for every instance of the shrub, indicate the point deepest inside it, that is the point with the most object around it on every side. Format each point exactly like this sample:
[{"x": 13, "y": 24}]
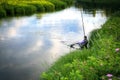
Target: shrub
[
  {"x": 38, "y": 5},
  {"x": 29, "y": 9},
  {"x": 69, "y": 2},
  {"x": 19, "y": 10},
  {"x": 58, "y": 4},
  {"x": 8, "y": 8},
  {"x": 48, "y": 6},
  {"x": 2, "y": 12}
]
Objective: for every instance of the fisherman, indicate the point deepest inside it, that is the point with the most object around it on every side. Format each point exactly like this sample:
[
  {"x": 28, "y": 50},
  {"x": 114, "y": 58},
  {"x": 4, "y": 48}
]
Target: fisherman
[{"x": 81, "y": 44}]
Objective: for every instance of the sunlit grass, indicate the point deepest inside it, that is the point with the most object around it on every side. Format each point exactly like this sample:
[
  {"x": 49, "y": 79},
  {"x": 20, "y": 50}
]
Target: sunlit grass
[{"x": 25, "y": 7}]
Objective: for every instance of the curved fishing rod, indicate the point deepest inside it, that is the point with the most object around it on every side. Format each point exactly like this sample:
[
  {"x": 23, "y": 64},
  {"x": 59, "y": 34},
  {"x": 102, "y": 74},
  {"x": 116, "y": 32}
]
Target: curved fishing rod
[{"x": 82, "y": 22}]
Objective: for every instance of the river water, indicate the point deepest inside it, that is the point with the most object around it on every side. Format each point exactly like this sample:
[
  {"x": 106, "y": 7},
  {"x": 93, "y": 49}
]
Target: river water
[{"x": 29, "y": 44}]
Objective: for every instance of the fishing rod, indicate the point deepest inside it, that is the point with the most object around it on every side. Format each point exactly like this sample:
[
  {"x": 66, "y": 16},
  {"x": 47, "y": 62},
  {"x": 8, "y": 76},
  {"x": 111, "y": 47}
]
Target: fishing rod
[{"x": 82, "y": 21}]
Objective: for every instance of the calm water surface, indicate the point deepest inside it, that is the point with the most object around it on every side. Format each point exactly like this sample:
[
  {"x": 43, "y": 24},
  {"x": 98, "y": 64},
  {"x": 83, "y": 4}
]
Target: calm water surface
[{"x": 28, "y": 45}]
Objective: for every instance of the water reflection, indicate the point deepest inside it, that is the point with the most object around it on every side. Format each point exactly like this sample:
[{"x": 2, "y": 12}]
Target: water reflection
[
  {"x": 93, "y": 7},
  {"x": 28, "y": 45}
]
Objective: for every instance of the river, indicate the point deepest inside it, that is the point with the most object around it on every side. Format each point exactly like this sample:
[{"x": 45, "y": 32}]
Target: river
[{"x": 30, "y": 44}]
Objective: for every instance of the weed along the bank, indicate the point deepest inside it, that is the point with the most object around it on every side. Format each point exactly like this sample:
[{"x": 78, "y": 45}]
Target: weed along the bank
[{"x": 25, "y": 7}]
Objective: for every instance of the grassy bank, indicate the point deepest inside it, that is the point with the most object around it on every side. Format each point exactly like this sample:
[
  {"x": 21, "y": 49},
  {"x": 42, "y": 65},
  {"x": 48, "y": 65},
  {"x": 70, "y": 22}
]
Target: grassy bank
[
  {"x": 25, "y": 7},
  {"x": 95, "y": 63}
]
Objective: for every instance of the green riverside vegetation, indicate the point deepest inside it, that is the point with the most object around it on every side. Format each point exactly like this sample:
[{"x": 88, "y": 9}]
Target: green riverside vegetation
[
  {"x": 100, "y": 1},
  {"x": 28, "y": 7},
  {"x": 95, "y": 63}
]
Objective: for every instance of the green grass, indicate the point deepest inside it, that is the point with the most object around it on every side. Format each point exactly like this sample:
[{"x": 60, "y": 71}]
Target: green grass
[
  {"x": 25, "y": 7},
  {"x": 2, "y": 12},
  {"x": 58, "y": 4},
  {"x": 94, "y": 63}
]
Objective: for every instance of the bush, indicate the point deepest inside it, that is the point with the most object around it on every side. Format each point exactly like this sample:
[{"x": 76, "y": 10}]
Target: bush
[
  {"x": 58, "y": 4},
  {"x": 2, "y": 12},
  {"x": 48, "y": 6},
  {"x": 38, "y": 5},
  {"x": 69, "y": 2},
  {"x": 19, "y": 10},
  {"x": 29, "y": 9},
  {"x": 8, "y": 8}
]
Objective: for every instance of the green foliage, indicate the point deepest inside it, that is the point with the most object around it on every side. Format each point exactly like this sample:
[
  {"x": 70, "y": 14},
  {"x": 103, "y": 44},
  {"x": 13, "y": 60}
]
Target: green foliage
[
  {"x": 19, "y": 10},
  {"x": 48, "y": 6},
  {"x": 2, "y": 12},
  {"x": 42, "y": 6},
  {"x": 28, "y": 7},
  {"x": 94, "y": 63},
  {"x": 38, "y": 5},
  {"x": 8, "y": 8},
  {"x": 58, "y": 4},
  {"x": 68, "y": 2},
  {"x": 24, "y": 9}
]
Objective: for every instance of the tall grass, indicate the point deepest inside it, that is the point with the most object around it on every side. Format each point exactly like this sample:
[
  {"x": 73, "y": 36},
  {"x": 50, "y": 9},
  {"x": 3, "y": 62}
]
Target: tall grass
[
  {"x": 48, "y": 6},
  {"x": 18, "y": 9},
  {"x": 2, "y": 12},
  {"x": 38, "y": 5},
  {"x": 68, "y": 2},
  {"x": 94, "y": 63},
  {"x": 28, "y": 7},
  {"x": 8, "y": 8},
  {"x": 58, "y": 4}
]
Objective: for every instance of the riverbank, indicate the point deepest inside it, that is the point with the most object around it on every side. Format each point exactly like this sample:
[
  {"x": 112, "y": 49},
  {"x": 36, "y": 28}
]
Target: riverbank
[
  {"x": 20, "y": 8},
  {"x": 95, "y": 63}
]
